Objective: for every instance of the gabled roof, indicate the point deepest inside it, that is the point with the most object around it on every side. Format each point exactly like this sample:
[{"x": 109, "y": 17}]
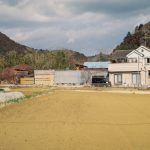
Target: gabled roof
[
  {"x": 120, "y": 54},
  {"x": 96, "y": 65},
  {"x": 143, "y": 47},
  {"x": 137, "y": 51},
  {"x": 23, "y": 67}
]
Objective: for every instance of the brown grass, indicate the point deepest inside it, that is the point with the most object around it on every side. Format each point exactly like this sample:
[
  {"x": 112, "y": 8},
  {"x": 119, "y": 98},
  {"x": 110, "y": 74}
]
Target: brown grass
[{"x": 74, "y": 120}]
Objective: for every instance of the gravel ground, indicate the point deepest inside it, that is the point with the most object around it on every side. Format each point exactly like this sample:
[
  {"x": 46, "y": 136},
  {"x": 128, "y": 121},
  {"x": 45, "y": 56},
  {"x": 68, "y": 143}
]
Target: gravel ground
[{"x": 4, "y": 97}]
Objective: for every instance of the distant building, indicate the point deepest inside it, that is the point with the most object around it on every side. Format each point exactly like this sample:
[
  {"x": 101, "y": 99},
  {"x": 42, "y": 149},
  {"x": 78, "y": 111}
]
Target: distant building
[
  {"x": 130, "y": 68},
  {"x": 14, "y": 74},
  {"x": 24, "y": 74},
  {"x": 24, "y": 70}
]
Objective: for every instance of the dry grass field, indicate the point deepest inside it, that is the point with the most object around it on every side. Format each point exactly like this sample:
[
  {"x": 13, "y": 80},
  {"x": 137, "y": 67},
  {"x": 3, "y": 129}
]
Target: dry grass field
[
  {"x": 31, "y": 90},
  {"x": 77, "y": 120}
]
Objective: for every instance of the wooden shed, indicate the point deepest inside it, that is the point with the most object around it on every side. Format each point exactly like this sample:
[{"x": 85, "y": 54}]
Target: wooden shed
[{"x": 44, "y": 77}]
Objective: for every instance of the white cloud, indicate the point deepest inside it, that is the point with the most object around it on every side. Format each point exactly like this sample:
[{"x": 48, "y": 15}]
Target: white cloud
[
  {"x": 59, "y": 23},
  {"x": 26, "y": 14}
]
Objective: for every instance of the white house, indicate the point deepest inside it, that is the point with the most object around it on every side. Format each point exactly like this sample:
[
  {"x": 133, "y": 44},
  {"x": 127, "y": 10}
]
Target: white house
[{"x": 133, "y": 71}]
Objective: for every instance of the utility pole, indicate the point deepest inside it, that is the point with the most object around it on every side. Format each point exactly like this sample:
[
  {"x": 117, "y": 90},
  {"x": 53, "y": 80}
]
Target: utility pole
[{"x": 138, "y": 75}]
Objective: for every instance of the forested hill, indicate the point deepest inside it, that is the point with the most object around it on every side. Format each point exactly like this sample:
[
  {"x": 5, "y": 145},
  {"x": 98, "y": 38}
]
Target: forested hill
[
  {"x": 12, "y": 54},
  {"x": 7, "y": 45},
  {"x": 140, "y": 36}
]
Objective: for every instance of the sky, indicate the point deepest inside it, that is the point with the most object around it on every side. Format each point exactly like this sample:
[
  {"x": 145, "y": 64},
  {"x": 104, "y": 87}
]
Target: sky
[{"x": 86, "y": 26}]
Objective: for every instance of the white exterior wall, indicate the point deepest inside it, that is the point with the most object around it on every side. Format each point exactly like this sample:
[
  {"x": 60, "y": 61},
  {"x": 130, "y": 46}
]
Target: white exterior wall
[
  {"x": 126, "y": 80},
  {"x": 144, "y": 50},
  {"x": 124, "y": 67},
  {"x": 111, "y": 78},
  {"x": 140, "y": 54},
  {"x": 140, "y": 59}
]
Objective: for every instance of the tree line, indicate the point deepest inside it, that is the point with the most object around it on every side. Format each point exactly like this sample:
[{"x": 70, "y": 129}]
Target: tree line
[{"x": 37, "y": 59}]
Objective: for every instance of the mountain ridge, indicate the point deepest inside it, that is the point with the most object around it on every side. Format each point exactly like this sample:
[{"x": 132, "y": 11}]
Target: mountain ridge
[
  {"x": 7, "y": 44},
  {"x": 13, "y": 53}
]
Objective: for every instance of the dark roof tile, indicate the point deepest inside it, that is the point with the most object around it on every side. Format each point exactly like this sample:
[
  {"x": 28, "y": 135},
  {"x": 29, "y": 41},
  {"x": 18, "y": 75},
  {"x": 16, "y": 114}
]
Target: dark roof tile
[{"x": 119, "y": 54}]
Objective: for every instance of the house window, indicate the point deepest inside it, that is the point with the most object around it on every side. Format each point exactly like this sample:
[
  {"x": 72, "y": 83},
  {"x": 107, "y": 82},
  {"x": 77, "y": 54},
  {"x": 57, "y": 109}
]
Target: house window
[
  {"x": 149, "y": 73},
  {"x": 135, "y": 78},
  {"x": 118, "y": 78},
  {"x": 132, "y": 60},
  {"x": 148, "y": 60}
]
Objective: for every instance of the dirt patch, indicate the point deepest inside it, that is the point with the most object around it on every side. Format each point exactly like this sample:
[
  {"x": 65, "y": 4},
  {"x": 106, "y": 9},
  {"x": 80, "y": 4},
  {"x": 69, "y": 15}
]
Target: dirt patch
[{"x": 69, "y": 120}]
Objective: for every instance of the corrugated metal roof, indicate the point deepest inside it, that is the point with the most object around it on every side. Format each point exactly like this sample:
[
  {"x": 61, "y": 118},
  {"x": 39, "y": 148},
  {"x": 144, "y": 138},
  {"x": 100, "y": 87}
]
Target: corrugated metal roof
[{"x": 97, "y": 65}]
